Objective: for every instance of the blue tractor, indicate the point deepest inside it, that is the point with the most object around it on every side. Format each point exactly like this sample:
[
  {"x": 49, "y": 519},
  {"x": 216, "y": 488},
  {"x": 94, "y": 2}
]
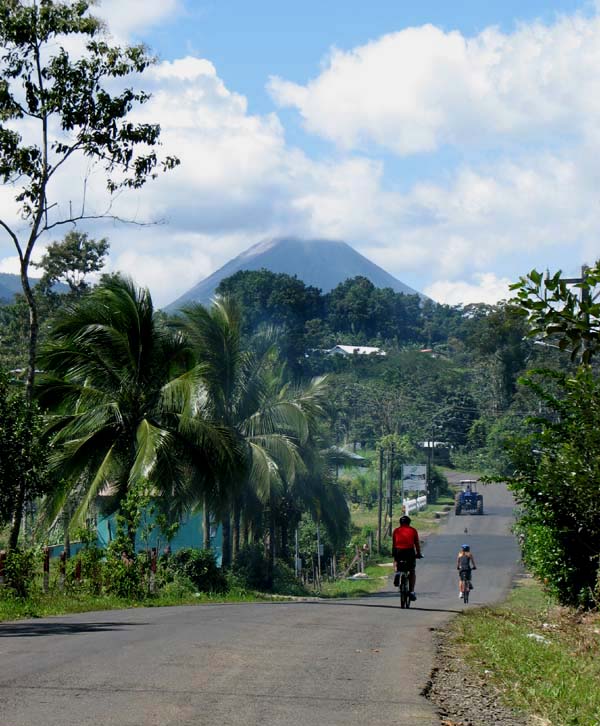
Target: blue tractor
[{"x": 468, "y": 499}]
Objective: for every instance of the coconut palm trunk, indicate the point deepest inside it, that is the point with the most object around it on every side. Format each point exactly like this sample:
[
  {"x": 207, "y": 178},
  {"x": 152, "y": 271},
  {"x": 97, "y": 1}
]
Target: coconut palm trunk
[
  {"x": 205, "y": 524},
  {"x": 226, "y": 540},
  {"x": 235, "y": 539}
]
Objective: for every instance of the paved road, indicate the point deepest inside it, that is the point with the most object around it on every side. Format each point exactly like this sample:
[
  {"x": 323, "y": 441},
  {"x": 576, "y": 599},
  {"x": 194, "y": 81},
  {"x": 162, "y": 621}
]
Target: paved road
[{"x": 301, "y": 663}]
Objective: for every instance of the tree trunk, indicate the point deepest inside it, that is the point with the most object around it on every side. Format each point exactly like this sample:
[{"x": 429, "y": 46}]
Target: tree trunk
[
  {"x": 271, "y": 551},
  {"x": 33, "y": 331},
  {"x": 205, "y": 524},
  {"x": 226, "y": 546},
  {"x": 285, "y": 554},
  {"x": 66, "y": 523},
  {"x": 237, "y": 516},
  {"x": 17, "y": 517}
]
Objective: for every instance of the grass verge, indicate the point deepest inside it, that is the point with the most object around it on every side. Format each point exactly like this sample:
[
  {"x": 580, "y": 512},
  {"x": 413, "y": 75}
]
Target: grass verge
[
  {"x": 41, "y": 606},
  {"x": 541, "y": 657},
  {"x": 378, "y": 574}
]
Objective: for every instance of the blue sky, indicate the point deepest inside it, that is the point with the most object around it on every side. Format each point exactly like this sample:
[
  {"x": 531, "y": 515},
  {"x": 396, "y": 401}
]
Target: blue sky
[
  {"x": 455, "y": 144},
  {"x": 249, "y": 41}
]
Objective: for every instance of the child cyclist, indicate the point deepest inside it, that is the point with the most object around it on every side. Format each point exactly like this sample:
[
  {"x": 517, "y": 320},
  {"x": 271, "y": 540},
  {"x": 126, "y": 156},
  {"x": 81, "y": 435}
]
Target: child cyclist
[{"x": 465, "y": 562}]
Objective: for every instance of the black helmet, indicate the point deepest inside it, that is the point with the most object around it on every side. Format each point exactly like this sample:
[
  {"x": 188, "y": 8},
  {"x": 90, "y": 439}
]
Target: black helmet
[
  {"x": 466, "y": 548},
  {"x": 404, "y": 519}
]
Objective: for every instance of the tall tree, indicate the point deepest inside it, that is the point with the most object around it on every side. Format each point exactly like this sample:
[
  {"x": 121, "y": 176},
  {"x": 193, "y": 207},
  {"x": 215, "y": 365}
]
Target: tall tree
[
  {"x": 71, "y": 259},
  {"x": 242, "y": 396},
  {"x": 66, "y": 102},
  {"x": 67, "y": 105},
  {"x": 22, "y": 469}
]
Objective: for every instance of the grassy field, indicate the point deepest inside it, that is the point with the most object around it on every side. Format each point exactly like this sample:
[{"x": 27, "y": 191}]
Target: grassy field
[
  {"x": 543, "y": 658},
  {"x": 425, "y": 520}
]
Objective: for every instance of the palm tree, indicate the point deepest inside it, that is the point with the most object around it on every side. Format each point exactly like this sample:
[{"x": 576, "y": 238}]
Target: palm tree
[
  {"x": 124, "y": 406},
  {"x": 241, "y": 393},
  {"x": 315, "y": 489}
]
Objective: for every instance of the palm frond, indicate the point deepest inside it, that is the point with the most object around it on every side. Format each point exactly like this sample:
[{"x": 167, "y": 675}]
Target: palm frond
[
  {"x": 151, "y": 440},
  {"x": 110, "y": 469}
]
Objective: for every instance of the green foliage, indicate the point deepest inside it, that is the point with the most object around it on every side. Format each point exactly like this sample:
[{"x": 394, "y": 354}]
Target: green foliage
[
  {"x": 179, "y": 587},
  {"x": 66, "y": 105},
  {"x": 560, "y": 312},
  {"x": 20, "y": 569},
  {"x": 91, "y": 559},
  {"x": 250, "y": 568},
  {"x": 557, "y": 480},
  {"x": 123, "y": 574},
  {"x": 115, "y": 381},
  {"x": 23, "y": 457},
  {"x": 199, "y": 567},
  {"x": 251, "y": 571},
  {"x": 280, "y": 300},
  {"x": 74, "y": 93},
  {"x": 70, "y": 260},
  {"x": 285, "y": 581},
  {"x": 551, "y": 680}
]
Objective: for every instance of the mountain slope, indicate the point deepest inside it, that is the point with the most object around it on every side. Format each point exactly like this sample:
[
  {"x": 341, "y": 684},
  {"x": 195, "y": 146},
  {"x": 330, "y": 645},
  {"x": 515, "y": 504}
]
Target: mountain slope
[
  {"x": 321, "y": 263},
  {"x": 10, "y": 285}
]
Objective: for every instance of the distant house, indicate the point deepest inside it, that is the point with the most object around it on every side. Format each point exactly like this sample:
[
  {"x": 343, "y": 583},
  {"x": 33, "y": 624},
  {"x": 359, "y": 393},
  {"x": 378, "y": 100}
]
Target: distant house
[{"x": 348, "y": 350}]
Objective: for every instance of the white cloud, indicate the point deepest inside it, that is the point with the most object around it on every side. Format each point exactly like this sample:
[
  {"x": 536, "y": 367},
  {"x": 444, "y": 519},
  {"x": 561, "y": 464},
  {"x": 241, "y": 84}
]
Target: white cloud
[
  {"x": 486, "y": 288},
  {"x": 166, "y": 275},
  {"x": 421, "y": 88},
  {"x": 11, "y": 264},
  {"x": 135, "y": 16},
  {"x": 528, "y": 204}
]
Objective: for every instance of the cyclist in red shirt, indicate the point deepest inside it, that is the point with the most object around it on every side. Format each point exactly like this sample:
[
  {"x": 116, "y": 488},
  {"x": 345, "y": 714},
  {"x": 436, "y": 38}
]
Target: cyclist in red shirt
[{"x": 406, "y": 548}]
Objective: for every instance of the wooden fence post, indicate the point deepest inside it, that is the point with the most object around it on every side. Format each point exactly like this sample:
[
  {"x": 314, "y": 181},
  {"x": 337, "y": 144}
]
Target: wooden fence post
[
  {"x": 46, "y": 569},
  {"x": 62, "y": 569},
  {"x": 2, "y": 566}
]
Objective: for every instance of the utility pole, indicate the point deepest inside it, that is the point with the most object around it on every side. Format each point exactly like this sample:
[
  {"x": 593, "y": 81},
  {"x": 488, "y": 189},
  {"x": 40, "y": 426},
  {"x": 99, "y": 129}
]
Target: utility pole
[
  {"x": 319, "y": 552},
  {"x": 430, "y": 467},
  {"x": 380, "y": 505},
  {"x": 391, "y": 488}
]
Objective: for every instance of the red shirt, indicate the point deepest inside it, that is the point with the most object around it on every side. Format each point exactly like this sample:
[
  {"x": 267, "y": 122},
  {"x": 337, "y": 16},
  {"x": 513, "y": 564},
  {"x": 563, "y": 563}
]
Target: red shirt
[{"x": 405, "y": 538}]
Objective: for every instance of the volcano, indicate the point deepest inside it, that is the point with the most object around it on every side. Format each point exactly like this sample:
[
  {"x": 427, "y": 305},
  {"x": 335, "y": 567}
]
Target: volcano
[{"x": 320, "y": 263}]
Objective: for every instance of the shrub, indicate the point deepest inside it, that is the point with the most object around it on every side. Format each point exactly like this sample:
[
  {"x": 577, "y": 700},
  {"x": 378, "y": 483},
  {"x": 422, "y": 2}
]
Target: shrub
[
  {"x": 285, "y": 581},
  {"x": 123, "y": 574},
  {"x": 20, "y": 571},
  {"x": 251, "y": 568},
  {"x": 178, "y": 588},
  {"x": 199, "y": 566}
]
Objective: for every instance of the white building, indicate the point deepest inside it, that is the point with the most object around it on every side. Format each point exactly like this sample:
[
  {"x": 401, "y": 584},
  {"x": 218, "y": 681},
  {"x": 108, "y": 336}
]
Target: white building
[{"x": 347, "y": 350}]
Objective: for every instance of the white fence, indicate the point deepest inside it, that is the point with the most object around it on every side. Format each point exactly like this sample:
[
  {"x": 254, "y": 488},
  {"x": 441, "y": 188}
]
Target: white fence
[{"x": 414, "y": 505}]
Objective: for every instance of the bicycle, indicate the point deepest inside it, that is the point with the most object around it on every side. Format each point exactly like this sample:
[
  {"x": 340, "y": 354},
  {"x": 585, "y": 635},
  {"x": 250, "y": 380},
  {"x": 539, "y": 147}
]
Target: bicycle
[
  {"x": 404, "y": 588},
  {"x": 465, "y": 579}
]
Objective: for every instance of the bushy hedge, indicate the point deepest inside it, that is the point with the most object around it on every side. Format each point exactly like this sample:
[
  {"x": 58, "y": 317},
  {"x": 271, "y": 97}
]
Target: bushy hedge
[
  {"x": 557, "y": 481},
  {"x": 198, "y": 566},
  {"x": 251, "y": 568}
]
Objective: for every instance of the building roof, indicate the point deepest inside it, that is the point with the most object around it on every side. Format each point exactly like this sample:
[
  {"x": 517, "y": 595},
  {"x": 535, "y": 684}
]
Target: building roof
[{"x": 356, "y": 350}]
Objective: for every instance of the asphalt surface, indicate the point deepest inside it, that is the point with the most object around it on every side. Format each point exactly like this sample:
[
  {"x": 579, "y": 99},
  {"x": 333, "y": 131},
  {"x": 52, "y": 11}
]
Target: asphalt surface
[{"x": 292, "y": 663}]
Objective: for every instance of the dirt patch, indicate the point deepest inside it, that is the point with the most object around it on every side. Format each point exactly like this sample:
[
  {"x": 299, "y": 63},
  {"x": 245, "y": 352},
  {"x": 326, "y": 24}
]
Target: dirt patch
[{"x": 462, "y": 695}]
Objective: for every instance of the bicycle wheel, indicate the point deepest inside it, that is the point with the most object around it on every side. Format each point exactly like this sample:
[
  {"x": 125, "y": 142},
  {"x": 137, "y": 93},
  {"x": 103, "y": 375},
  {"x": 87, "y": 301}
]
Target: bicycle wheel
[
  {"x": 466, "y": 592},
  {"x": 404, "y": 596}
]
